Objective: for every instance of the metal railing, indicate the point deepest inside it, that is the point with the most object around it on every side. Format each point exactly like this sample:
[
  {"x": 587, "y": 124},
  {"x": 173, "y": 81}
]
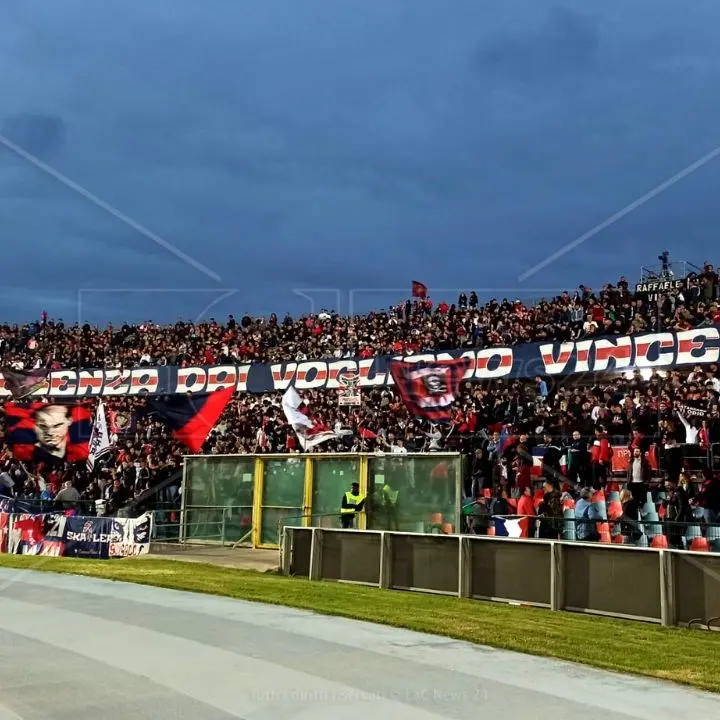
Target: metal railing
[
  {"x": 172, "y": 532},
  {"x": 325, "y": 520},
  {"x": 199, "y": 524},
  {"x": 657, "y": 533}
]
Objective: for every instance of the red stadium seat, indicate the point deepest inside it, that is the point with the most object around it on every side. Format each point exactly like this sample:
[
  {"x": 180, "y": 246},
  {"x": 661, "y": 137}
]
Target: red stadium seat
[
  {"x": 659, "y": 541},
  {"x": 700, "y": 544}
]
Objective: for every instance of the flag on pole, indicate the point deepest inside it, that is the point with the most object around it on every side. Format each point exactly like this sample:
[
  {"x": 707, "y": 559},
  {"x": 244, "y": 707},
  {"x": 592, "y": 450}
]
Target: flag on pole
[
  {"x": 418, "y": 289},
  {"x": 429, "y": 389},
  {"x": 310, "y": 432},
  {"x": 99, "y": 438}
]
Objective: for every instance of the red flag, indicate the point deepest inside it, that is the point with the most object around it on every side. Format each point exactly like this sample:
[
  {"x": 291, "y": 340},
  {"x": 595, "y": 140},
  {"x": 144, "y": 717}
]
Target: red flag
[{"x": 418, "y": 289}]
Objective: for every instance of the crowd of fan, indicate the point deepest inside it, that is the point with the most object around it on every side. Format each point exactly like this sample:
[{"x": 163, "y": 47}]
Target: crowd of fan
[
  {"x": 409, "y": 327},
  {"x": 670, "y": 410}
]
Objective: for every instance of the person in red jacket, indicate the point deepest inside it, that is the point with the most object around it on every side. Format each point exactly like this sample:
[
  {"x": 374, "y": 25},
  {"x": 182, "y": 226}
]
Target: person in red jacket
[
  {"x": 526, "y": 508},
  {"x": 600, "y": 457}
]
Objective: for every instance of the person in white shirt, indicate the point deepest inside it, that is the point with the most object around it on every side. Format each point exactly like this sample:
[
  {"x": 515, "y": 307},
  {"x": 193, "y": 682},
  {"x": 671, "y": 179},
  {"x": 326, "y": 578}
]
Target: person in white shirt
[
  {"x": 691, "y": 432},
  {"x": 397, "y": 448}
]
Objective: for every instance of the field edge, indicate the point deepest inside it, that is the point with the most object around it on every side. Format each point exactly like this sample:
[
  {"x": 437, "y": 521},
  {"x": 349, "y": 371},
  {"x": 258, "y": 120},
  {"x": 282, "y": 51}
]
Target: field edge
[{"x": 667, "y": 654}]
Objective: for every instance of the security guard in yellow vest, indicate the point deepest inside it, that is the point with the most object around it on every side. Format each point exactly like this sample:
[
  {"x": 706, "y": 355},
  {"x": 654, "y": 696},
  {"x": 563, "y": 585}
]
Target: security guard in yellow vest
[
  {"x": 352, "y": 503},
  {"x": 390, "y": 505}
]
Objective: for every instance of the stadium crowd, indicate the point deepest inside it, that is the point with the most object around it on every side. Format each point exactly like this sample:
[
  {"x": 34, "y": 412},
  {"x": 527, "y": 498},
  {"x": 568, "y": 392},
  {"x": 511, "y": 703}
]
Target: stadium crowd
[
  {"x": 412, "y": 326},
  {"x": 673, "y": 414}
]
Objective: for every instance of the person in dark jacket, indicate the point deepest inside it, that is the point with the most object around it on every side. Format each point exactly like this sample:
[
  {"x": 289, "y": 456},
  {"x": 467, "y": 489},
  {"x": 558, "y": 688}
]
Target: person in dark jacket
[
  {"x": 479, "y": 516},
  {"x": 481, "y": 472},
  {"x": 630, "y": 518},
  {"x": 578, "y": 459},
  {"x": 499, "y": 504},
  {"x": 710, "y": 497},
  {"x": 551, "y": 511},
  {"x": 677, "y": 512},
  {"x": 639, "y": 475},
  {"x": 551, "y": 458},
  {"x": 673, "y": 457}
]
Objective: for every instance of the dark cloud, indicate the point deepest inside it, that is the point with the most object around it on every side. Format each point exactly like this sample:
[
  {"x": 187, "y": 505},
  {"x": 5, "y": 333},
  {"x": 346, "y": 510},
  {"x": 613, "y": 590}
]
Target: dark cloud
[
  {"x": 349, "y": 144},
  {"x": 36, "y": 133},
  {"x": 566, "y": 44}
]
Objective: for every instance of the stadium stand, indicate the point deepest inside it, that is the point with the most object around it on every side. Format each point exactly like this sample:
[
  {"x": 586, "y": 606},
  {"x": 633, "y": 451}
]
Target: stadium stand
[{"x": 608, "y": 457}]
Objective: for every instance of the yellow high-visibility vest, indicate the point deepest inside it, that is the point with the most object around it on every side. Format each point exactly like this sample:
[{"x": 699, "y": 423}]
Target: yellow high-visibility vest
[
  {"x": 390, "y": 495},
  {"x": 353, "y": 501}
]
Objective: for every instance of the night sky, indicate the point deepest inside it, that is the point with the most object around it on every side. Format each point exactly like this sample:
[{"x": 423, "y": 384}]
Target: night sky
[{"x": 174, "y": 158}]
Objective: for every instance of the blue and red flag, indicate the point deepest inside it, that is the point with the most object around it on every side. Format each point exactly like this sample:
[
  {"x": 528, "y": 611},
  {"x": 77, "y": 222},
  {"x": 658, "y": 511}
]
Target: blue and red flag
[
  {"x": 48, "y": 432},
  {"x": 191, "y": 417},
  {"x": 429, "y": 389},
  {"x": 504, "y": 440}
]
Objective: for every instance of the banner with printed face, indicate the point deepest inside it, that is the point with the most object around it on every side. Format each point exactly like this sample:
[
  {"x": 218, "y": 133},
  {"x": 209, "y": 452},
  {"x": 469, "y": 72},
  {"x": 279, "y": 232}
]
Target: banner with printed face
[
  {"x": 56, "y": 534},
  {"x": 130, "y": 536},
  {"x": 660, "y": 351}
]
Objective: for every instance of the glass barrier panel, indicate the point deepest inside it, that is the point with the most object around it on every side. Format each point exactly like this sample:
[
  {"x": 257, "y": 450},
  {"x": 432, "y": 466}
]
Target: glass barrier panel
[
  {"x": 283, "y": 495},
  {"x": 216, "y": 481},
  {"x": 332, "y": 478},
  {"x": 413, "y": 494},
  {"x": 219, "y": 493},
  {"x": 274, "y": 519},
  {"x": 284, "y": 482}
]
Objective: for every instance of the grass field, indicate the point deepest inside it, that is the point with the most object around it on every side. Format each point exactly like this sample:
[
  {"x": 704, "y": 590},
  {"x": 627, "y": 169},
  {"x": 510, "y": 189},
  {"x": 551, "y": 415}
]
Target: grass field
[{"x": 684, "y": 656}]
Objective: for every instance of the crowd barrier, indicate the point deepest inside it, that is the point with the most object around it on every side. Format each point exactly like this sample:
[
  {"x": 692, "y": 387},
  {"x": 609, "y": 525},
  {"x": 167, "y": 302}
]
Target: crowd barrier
[{"x": 668, "y": 587}]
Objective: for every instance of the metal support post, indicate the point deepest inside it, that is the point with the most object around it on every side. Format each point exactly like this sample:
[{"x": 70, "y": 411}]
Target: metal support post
[
  {"x": 316, "y": 554},
  {"x": 464, "y": 567},
  {"x": 557, "y": 577}
]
